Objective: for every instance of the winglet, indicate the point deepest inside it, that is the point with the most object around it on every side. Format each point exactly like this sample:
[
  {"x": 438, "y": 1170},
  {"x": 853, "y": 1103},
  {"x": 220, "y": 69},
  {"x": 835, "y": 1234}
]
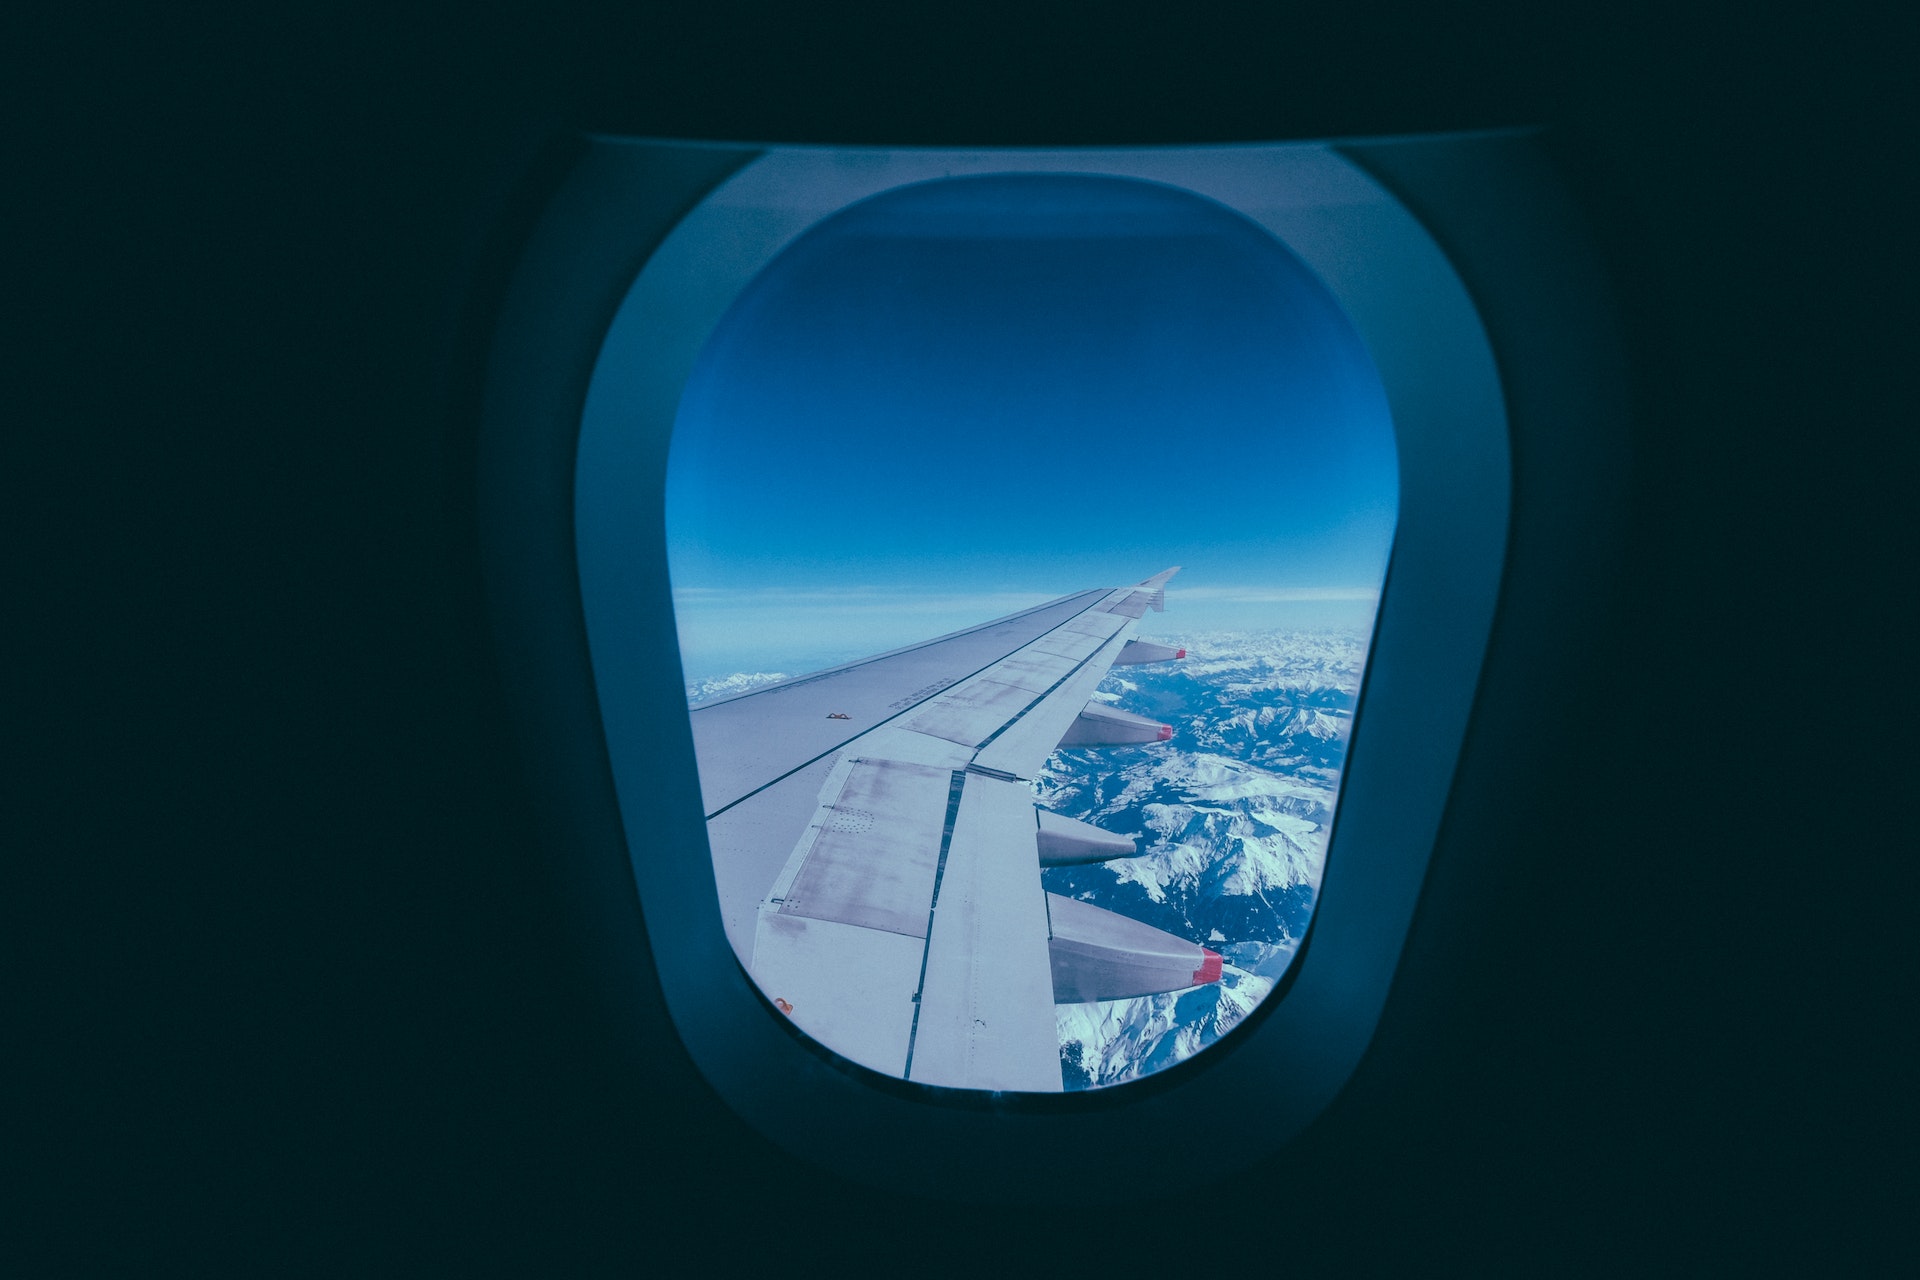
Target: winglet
[{"x": 1160, "y": 579}]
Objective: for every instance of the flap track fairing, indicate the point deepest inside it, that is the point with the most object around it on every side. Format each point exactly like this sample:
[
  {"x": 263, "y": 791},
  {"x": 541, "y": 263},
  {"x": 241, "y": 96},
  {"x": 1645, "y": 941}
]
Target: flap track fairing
[
  {"x": 1102, "y": 955},
  {"x": 1136, "y": 652},
  {"x": 1103, "y": 726},
  {"x": 1068, "y": 841}
]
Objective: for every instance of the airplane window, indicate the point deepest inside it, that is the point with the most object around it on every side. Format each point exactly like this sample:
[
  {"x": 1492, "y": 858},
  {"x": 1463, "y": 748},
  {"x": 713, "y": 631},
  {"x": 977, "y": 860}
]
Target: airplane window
[{"x": 1026, "y": 534}]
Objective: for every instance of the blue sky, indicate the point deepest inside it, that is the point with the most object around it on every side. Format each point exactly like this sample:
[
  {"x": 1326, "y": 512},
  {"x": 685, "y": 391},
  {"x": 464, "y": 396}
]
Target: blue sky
[{"x": 963, "y": 397}]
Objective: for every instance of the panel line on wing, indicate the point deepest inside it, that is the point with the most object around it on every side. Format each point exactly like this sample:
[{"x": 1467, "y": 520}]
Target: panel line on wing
[
  {"x": 939, "y": 873},
  {"x": 1043, "y": 697},
  {"x": 961, "y": 714}
]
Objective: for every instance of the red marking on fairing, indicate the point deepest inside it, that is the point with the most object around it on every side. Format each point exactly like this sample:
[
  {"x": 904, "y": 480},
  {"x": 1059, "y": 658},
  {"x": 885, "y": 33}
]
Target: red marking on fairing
[
  {"x": 1166, "y": 733},
  {"x": 1209, "y": 970},
  {"x": 1181, "y": 654}
]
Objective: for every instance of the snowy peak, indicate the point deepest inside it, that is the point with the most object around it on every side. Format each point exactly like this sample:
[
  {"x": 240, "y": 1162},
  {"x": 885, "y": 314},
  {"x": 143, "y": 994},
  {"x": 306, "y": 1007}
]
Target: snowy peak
[
  {"x": 727, "y": 686},
  {"x": 1233, "y": 817}
]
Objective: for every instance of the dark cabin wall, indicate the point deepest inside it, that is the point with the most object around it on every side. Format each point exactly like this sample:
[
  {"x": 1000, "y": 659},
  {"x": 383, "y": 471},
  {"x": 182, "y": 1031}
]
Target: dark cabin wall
[{"x": 294, "y": 987}]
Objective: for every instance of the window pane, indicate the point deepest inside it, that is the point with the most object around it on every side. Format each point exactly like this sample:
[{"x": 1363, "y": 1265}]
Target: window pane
[{"x": 1044, "y": 852}]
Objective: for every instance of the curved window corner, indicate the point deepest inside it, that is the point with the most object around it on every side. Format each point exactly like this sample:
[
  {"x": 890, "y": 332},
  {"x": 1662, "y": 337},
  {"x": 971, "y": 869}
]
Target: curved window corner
[{"x": 956, "y": 814}]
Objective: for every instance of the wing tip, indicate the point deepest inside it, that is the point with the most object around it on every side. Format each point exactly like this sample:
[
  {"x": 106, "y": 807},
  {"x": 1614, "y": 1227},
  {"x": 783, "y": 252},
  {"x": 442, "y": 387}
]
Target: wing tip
[{"x": 1159, "y": 579}]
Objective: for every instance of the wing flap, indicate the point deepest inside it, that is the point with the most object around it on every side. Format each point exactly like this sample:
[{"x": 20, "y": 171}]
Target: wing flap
[
  {"x": 986, "y": 1016},
  {"x": 870, "y": 855}
]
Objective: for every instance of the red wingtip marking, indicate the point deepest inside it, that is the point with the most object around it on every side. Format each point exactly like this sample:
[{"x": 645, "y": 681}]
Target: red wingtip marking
[
  {"x": 1166, "y": 733},
  {"x": 1209, "y": 970},
  {"x": 1181, "y": 654}
]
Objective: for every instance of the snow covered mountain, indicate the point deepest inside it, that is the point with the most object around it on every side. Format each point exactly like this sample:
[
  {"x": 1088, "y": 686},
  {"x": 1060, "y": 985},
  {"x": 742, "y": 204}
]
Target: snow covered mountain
[
  {"x": 726, "y": 686},
  {"x": 1233, "y": 814}
]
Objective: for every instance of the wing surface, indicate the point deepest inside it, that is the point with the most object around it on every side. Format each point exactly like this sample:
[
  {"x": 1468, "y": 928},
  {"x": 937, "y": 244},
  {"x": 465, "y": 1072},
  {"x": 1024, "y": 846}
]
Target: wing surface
[{"x": 878, "y": 850}]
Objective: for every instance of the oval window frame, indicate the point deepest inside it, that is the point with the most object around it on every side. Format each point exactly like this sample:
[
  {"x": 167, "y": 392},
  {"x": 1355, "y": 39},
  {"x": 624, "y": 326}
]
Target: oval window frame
[{"x": 717, "y": 217}]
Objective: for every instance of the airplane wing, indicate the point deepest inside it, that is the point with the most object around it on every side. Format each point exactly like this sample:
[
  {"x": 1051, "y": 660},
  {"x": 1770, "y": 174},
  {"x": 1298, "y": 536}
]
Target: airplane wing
[{"x": 878, "y": 851}]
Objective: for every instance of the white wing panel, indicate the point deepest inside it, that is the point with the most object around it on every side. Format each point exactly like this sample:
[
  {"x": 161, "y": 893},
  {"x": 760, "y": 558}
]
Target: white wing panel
[
  {"x": 752, "y": 843},
  {"x": 1096, "y": 622},
  {"x": 1068, "y": 644},
  {"x": 1033, "y": 669},
  {"x": 970, "y": 713},
  {"x": 847, "y": 987},
  {"x": 892, "y": 742},
  {"x": 986, "y": 1006}
]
